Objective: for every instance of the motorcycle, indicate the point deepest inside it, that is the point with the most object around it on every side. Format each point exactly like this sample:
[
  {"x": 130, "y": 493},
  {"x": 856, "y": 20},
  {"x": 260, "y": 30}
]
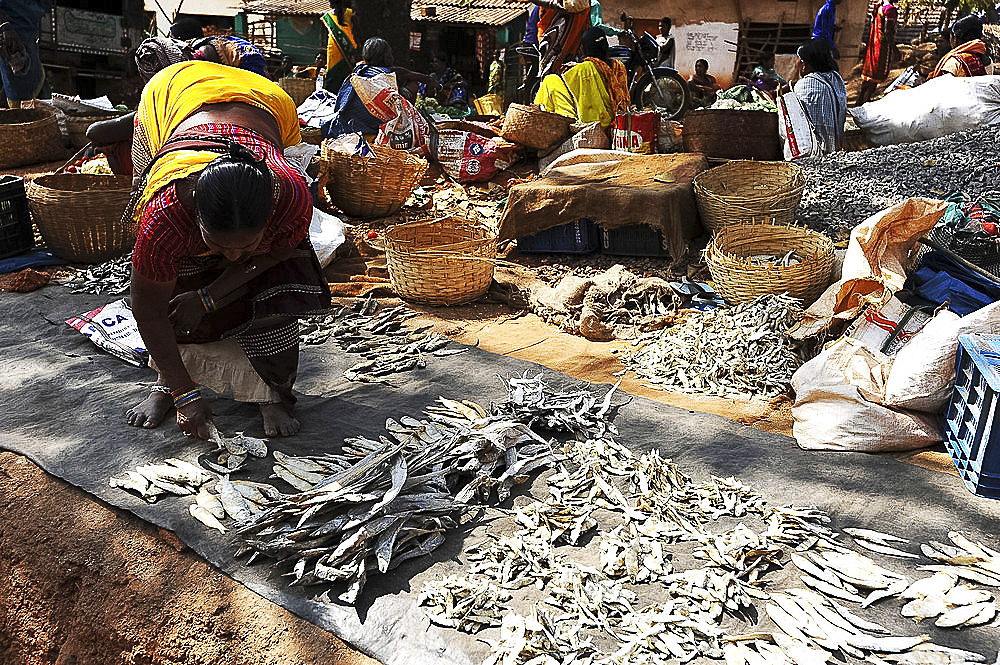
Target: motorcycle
[{"x": 650, "y": 86}]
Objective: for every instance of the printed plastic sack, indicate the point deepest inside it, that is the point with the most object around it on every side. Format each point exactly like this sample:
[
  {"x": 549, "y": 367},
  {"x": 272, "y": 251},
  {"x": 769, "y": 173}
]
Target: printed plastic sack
[
  {"x": 942, "y": 106},
  {"x": 406, "y": 131},
  {"x": 112, "y": 327},
  {"x": 837, "y": 407},
  {"x": 377, "y": 93},
  {"x": 636, "y": 132},
  {"x": 923, "y": 374},
  {"x": 469, "y": 157},
  {"x": 798, "y": 138},
  {"x": 889, "y": 327}
]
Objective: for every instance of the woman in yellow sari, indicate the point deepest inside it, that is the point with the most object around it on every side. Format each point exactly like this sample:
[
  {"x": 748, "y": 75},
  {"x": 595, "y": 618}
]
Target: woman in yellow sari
[
  {"x": 222, "y": 265},
  {"x": 341, "y": 48},
  {"x": 593, "y": 90}
]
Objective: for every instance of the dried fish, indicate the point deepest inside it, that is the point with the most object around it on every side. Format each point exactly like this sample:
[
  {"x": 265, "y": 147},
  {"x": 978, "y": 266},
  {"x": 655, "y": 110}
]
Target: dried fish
[
  {"x": 173, "y": 476},
  {"x": 112, "y": 277},
  {"x": 725, "y": 352}
]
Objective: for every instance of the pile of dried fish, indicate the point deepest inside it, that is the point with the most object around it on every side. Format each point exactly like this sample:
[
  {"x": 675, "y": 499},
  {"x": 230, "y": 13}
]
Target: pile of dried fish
[
  {"x": 353, "y": 517},
  {"x": 725, "y": 352},
  {"x": 775, "y": 260},
  {"x": 109, "y": 278},
  {"x": 234, "y": 450},
  {"x": 172, "y": 476},
  {"x": 381, "y": 337}
]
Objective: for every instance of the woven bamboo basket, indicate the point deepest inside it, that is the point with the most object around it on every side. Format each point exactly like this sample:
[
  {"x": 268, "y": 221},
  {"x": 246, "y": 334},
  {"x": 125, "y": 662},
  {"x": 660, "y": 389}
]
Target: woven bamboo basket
[
  {"x": 29, "y": 136},
  {"x": 742, "y": 191},
  {"x": 445, "y": 262},
  {"x": 298, "y": 89},
  {"x": 372, "y": 186},
  {"x": 77, "y": 125},
  {"x": 738, "y": 280},
  {"x": 80, "y": 215},
  {"x": 533, "y": 127},
  {"x": 312, "y": 135},
  {"x": 732, "y": 134}
]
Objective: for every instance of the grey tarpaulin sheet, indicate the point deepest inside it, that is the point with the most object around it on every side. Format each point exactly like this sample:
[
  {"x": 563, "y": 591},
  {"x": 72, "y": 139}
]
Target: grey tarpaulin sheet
[{"x": 63, "y": 402}]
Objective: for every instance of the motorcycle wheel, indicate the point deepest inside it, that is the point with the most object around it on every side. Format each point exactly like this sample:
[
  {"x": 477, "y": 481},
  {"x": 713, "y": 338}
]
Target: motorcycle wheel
[{"x": 675, "y": 98}]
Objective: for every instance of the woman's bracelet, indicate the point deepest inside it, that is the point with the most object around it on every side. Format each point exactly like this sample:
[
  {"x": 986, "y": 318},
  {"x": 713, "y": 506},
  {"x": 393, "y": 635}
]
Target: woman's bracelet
[
  {"x": 183, "y": 398},
  {"x": 206, "y": 300}
]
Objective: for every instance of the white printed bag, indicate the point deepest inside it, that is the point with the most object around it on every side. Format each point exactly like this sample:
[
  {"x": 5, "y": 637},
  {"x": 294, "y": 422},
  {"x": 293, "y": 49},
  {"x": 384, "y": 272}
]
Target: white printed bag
[{"x": 798, "y": 137}]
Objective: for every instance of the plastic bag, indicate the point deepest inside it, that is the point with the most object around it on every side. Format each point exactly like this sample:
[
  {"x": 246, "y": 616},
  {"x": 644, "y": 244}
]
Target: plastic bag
[
  {"x": 636, "y": 132},
  {"x": 326, "y": 233},
  {"x": 942, "y": 106},
  {"x": 590, "y": 135},
  {"x": 469, "y": 157},
  {"x": 923, "y": 374},
  {"x": 407, "y": 130},
  {"x": 887, "y": 327},
  {"x": 837, "y": 407},
  {"x": 798, "y": 138},
  {"x": 378, "y": 94},
  {"x": 113, "y": 328}
]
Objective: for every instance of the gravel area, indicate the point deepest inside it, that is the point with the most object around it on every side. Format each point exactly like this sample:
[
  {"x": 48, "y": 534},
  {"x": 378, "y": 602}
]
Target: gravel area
[{"x": 846, "y": 188}]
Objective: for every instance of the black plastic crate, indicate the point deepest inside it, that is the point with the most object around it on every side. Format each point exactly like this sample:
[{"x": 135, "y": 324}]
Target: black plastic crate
[
  {"x": 972, "y": 430},
  {"x": 16, "y": 235},
  {"x": 634, "y": 240},
  {"x": 579, "y": 237}
]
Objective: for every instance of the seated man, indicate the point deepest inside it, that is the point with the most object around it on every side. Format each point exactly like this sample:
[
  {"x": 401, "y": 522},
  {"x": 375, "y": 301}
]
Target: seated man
[
  {"x": 766, "y": 78},
  {"x": 593, "y": 90},
  {"x": 968, "y": 54},
  {"x": 822, "y": 93},
  {"x": 703, "y": 85}
]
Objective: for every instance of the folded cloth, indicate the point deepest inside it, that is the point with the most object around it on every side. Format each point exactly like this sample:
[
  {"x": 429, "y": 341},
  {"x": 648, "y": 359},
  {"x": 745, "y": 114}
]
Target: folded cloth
[{"x": 30, "y": 259}]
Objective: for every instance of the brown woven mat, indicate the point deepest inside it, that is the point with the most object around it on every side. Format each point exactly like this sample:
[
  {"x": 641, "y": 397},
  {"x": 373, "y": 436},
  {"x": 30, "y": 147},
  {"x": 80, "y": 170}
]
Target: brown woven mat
[{"x": 614, "y": 190}]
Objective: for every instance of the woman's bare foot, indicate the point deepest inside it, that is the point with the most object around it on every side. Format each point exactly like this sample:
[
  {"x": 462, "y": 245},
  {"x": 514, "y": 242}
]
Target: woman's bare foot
[
  {"x": 150, "y": 412},
  {"x": 278, "y": 421}
]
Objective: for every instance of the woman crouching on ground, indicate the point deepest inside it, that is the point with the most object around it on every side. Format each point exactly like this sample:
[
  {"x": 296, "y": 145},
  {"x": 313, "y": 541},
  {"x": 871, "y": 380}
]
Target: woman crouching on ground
[{"x": 222, "y": 266}]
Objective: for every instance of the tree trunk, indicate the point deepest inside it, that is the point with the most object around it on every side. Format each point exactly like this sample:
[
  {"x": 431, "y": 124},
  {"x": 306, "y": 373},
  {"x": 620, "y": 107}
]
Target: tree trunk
[{"x": 388, "y": 19}]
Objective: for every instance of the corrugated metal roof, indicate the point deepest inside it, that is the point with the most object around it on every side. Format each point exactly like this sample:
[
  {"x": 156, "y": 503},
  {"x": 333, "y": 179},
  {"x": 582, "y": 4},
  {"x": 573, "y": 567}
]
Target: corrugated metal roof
[{"x": 483, "y": 12}]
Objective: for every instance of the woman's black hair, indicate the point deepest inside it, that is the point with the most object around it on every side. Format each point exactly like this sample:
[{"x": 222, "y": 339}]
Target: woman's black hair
[
  {"x": 967, "y": 29},
  {"x": 233, "y": 193},
  {"x": 594, "y": 43},
  {"x": 817, "y": 55},
  {"x": 186, "y": 28},
  {"x": 377, "y": 52}
]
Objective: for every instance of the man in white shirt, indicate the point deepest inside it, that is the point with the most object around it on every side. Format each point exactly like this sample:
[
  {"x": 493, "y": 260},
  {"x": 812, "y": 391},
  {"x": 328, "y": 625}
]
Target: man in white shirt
[{"x": 668, "y": 50}]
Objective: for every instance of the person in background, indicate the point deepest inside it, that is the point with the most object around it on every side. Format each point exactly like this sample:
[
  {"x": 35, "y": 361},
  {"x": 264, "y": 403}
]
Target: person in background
[
  {"x": 185, "y": 29},
  {"x": 766, "y": 78},
  {"x": 825, "y": 26},
  {"x": 703, "y": 85},
  {"x": 668, "y": 46},
  {"x": 595, "y": 90},
  {"x": 561, "y": 24},
  {"x": 341, "y": 49},
  {"x": 452, "y": 89},
  {"x": 223, "y": 248},
  {"x": 821, "y": 91},
  {"x": 881, "y": 46},
  {"x": 597, "y": 20},
  {"x": 20, "y": 65},
  {"x": 496, "y": 73},
  {"x": 968, "y": 56}
]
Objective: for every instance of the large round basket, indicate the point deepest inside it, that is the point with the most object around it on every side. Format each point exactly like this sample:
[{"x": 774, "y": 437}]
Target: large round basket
[
  {"x": 77, "y": 125},
  {"x": 533, "y": 127},
  {"x": 298, "y": 89},
  {"x": 372, "y": 186},
  {"x": 80, "y": 215},
  {"x": 732, "y": 134},
  {"x": 742, "y": 191},
  {"x": 738, "y": 279},
  {"x": 446, "y": 262},
  {"x": 29, "y": 136}
]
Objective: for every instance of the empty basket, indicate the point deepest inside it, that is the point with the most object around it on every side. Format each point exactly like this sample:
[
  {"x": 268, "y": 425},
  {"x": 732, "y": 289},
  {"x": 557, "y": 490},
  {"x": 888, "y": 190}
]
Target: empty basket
[
  {"x": 375, "y": 185},
  {"x": 743, "y": 191},
  {"x": 533, "y": 127},
  {"x": 29, "y": 136},
  {"x": 445, "y": 262}
]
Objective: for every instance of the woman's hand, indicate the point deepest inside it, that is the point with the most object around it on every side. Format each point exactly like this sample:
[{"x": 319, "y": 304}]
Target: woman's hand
[
  {"x": 186, "y": 311},
  {"x": 192, "y": 419}
]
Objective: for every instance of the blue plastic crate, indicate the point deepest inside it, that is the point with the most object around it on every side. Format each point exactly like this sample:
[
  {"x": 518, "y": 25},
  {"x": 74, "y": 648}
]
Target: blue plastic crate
[
  {"x": 634, "y": 240},
  {"x": 579, "y": 237},
  {"x": 972, "y": 429}
]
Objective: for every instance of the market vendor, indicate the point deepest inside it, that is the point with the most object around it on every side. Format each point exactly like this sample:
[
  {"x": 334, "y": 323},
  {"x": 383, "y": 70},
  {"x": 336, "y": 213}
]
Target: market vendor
[
  {"x": 821, "y": 90},
  {"x": 113, "y": 137},
  {"x": 593, "y": 90},
  {"x": 21, "y": 69},
  {"x": 351, "y": 114},
  {"x": 223, "y": 251},
  {"x": 968, "y": 56},
  {"x": 766, "y": 78},
  {"x": 703, "y": 85},
  {"x": 341, "y": 48}
]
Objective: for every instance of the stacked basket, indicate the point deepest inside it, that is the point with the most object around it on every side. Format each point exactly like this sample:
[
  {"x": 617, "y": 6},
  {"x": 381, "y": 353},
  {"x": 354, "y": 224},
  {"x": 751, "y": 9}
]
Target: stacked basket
[
  {"x": 745, "y": 190},
  {"x": 532, "y": 127},
  {"x": 445, "y": 262},
  {"x": 298, "y": 89},
  {"x": 80, "y": 215},
  {"x": 739, "y": 279},
  {"x": 77, "y": 125},
  {"x": 29, "y": 136},
  {"x": 373, "y": 185}
]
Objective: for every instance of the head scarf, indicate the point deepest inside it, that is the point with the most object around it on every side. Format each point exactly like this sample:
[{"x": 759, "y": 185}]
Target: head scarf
[{"x": 157, "y": 53}]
